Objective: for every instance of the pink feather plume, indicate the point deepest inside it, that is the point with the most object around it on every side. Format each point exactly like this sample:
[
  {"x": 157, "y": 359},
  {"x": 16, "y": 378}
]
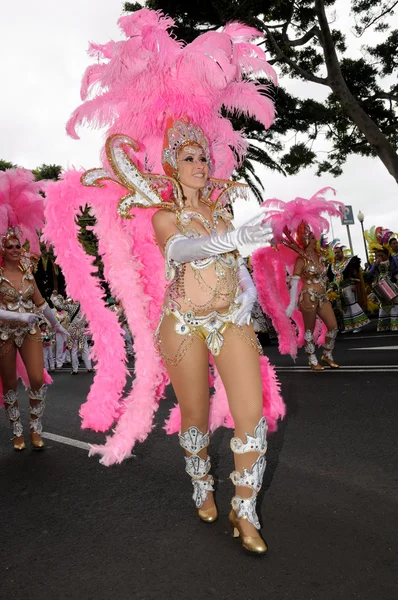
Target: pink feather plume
[{"x": 22, "y": 205}]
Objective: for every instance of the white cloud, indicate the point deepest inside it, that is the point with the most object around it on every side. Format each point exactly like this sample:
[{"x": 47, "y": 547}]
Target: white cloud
[{"x": 43, "y": 58}]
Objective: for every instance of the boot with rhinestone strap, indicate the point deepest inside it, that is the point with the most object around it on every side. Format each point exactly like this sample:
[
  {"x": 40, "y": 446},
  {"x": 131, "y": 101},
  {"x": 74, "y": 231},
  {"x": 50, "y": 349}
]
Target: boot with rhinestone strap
[
  {"x": 10, "y": 400},
  {"x": 37, "y": 401},
  {"x": 245, "y": 508},
  {"x": 193, "y": 441},
  {"x": 328, "y": 347},
  {"x": 310, "y": 351}
]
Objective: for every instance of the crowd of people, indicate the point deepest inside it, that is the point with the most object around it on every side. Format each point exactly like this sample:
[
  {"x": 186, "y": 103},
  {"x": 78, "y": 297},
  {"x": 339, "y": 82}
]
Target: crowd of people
[{"x": 180, "y": 285}]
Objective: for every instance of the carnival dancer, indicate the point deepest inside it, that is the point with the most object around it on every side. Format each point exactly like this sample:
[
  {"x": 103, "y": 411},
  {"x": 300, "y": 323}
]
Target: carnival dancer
[
  {"x": 170, "y": 97},
  {"x": 77, "y": 341},
  {"x": 60, "y": 343},
  {"x": 21, "y": 217},
  {"x": 297, "y": 225},
  {"x": 345, "y": 277},
  {"x": 384, "y": 271},
  {"x": 48, "y": 343}
]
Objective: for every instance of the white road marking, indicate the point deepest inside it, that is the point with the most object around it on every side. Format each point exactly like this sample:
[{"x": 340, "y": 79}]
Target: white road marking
[
  {"x": 376, "y": 348},
  {"x": 340, "y": 370},
  {"x": 66, "y": 440},
  {"x": 348, "y": 338},
  {"x": 343, "y": 369}
]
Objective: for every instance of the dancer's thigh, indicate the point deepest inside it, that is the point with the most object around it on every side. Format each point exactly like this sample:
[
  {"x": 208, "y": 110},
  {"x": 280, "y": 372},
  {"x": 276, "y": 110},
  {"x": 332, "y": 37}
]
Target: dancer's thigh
[
  {"x": 327, "y": 315},
  {"x": 31, "y": 353},
  {"x": 188, "y": 375},
  {"x": 8, "y": 369},
  {"x": 239, "y": 367}
]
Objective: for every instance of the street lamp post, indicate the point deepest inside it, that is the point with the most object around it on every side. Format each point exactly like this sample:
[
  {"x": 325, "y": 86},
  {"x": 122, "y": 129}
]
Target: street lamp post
[{"x": 361, "y": 218}]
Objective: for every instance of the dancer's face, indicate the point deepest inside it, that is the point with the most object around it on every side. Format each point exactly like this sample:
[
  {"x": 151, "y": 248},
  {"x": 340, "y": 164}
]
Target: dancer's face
[
  {"x": 193, "y": 170},
  {"x": 338, "y": 254},
  {"x": 311, "y": 241},
  {"x": 12, "y": 250},
  {"x": 394, "y": 245}
]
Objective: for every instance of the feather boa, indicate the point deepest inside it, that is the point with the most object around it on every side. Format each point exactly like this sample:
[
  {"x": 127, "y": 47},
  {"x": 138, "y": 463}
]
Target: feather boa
[{"x": 63, "y": 201}]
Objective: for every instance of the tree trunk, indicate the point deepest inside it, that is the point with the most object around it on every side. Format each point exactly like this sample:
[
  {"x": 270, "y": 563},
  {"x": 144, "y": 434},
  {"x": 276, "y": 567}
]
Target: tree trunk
[{"x": 372, "y": 133}]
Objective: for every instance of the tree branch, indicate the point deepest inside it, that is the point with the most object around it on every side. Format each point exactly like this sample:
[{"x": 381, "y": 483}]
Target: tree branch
[
  {"x": 280, "y": 56},
  {"x": 313, "y": 32},
  {"x": 380, "y": 16}
]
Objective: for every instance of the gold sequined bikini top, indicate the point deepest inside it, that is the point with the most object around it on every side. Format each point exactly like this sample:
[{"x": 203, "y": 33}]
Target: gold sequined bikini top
[
  {"x": 17, "y": 300},
  {"x": 313, "y": 272}
]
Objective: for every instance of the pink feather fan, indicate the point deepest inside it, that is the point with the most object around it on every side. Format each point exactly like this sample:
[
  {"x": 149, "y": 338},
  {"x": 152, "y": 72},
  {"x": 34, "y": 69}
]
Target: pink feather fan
[{"x": 141, "y": 82}]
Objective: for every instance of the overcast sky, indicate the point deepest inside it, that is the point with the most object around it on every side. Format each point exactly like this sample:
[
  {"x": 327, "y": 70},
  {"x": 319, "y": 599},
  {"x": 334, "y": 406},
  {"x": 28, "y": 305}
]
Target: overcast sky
[{"x": 43, "y": 58}]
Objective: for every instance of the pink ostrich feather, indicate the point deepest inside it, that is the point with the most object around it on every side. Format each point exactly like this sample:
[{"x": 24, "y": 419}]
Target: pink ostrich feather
[
  {"x": 21, "y": 205},
  {"x": 63, "y": 201},
  {"x": 289, "y": 215},
  {"x": 152, "y": 74},
  {"x": 125, "y": 274},
  {"x": 269, "y": 274}
]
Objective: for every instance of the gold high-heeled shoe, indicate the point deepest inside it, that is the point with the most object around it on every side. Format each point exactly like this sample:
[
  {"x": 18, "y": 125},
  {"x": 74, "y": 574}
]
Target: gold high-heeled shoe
[
  {"x": 36, "y": 441},
  {"x": 329, "y": 362},
  {"x": 209, "y": 515},
  {"x": 316, "y": 367},
  {"x": 251, "y": 543},
  {"x": 20, "y": 445}
]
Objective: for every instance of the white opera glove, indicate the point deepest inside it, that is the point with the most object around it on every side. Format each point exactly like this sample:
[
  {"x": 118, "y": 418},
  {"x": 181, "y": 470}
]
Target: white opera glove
[
  {"x": 294, "y": 281},
  {"x": 246, "y": 299},
  {"x": 51, "y": 318},
  {"x": 183, "y": 249},
  {"x": 9, "y": 315}
]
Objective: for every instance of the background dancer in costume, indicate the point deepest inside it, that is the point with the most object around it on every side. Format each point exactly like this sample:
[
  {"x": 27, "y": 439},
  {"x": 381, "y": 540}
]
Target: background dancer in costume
[
  {"x": 21, "y": 217},
  {"x": 60, "y": 343},
  {"x": 48, "y": 342},
  {"x": 296, "y": 226},
  {"x": 312, "y": 300},
  {"x": 163, "y": 86},
  {"x": 384, "y": 271},
  {"x": 345, "y": 278},
  {"x": 77, "y": 330}
]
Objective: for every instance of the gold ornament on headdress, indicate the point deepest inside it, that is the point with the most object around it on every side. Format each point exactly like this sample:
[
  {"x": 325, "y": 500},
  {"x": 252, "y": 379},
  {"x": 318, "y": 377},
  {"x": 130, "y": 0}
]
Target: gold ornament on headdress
[
  {"x": 12, "y": 232},
  {"x": 144, "y": 189}
]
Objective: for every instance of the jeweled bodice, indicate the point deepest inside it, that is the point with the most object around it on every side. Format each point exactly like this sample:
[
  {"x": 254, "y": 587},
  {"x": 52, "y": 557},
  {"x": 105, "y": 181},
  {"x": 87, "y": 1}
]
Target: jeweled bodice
[
  {"x": 208, "y": 284},
  {"x": 313, "y": 274},
  {"x": 17, "y": 300}
]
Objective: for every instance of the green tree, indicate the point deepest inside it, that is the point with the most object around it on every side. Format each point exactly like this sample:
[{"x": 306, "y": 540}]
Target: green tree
[
  {"x": 360, "y": 114},
  {"x": 5, "y": 164},
  {"x": 47, "y": 172}
]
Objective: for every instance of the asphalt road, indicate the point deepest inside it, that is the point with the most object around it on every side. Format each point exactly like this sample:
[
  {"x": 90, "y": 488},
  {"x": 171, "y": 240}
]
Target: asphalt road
[{"x": 72, "y": 529}]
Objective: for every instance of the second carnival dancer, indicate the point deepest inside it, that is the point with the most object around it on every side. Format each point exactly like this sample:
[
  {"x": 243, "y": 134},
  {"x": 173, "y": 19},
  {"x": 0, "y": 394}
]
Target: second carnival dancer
[
  {"x": 297, "y": 225},
  {"x": 21, "y": 218},
  {"x": 345, "y": 277},
  {"x": 191, "y": 288}
]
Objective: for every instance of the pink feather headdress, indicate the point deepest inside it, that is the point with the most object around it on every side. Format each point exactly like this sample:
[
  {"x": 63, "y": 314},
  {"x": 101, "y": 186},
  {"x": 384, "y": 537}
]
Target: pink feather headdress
[
  {"x": 286, "y": 218},
  {"x": 150, "y": 76},
  {"x": 21, "y": 207}
]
